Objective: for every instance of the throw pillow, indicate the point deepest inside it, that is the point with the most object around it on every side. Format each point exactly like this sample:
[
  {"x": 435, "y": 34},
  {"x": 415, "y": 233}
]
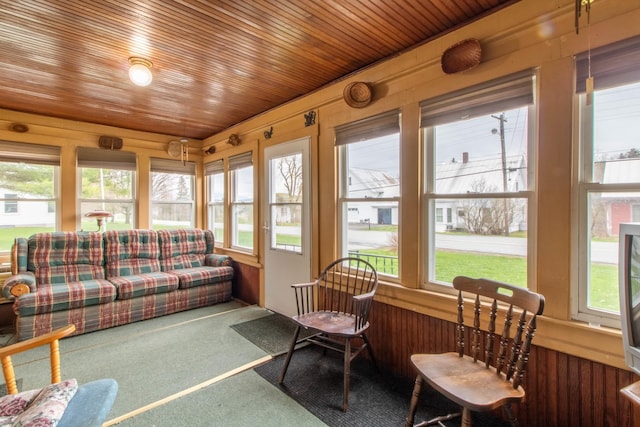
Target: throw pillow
[
  {"x": 46, "y": 409},
  {"x": 13, "y": 404}
]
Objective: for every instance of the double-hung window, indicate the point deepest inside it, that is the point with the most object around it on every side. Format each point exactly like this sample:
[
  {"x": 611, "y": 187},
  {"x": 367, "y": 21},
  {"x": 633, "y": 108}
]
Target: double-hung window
[
  {"x": 608, "y": 174},
  {"x": 478, "y": 181},
  {"x": 216, "y": 190},
  {"x": 172, "y": 194},
  {"x": 241, "y": 199},
  {"x": 106, "y": 183},
  {"x": 369, "y": 195},
  {"x": 29, "y": 190}
]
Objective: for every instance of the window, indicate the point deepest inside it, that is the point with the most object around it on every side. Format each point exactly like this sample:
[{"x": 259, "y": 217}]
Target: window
[
  {"x": 609, "y": 174},
  {"x": 11, "y": 203},
  {"x": 478, "y": 145},
  {"x": 369, "y": 153},
  {"x": 172, "y": 194},
  {"x": 214, "y": 172},
  {"x": 241, "y": 174},
  {"x": 106, "y": 182},
  {"x": 29, "y": 190}
]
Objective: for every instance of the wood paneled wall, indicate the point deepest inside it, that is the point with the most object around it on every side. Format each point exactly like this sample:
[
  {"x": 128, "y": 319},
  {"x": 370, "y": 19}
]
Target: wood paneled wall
[
  {"x": 562, "y": 390},
  {"x": 246, "y": 283}
]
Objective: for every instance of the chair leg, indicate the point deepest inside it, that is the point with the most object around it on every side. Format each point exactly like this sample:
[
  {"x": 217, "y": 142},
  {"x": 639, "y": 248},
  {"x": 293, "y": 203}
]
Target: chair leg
[
  {"x": 292, "y": 348},
  {"x": 466, "y": 417},
  {"x": 370, "y": 350},
  {"x": 347, "y": 374},
  {"x": 414, "y": 401},
  {"x": 509, "y": 415}
]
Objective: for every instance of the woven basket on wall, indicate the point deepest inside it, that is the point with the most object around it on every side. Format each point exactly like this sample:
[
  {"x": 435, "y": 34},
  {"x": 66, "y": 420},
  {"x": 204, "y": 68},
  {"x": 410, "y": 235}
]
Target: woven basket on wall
[
  {"x": 462, "y": 56},
  {"x": 357, "y": 94}
]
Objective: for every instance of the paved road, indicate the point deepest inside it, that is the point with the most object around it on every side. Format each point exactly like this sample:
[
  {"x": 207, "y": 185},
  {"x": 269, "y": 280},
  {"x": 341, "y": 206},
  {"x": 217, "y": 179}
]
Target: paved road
[{"x": 605, "y": 252}]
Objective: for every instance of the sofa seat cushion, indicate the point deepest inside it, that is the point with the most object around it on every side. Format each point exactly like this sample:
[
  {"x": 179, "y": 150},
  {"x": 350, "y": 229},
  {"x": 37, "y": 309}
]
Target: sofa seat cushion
[
  {"x": 144, "y": 284},
  {"x": 65, "y": 296},
  {"x": 198, "y": 276}
]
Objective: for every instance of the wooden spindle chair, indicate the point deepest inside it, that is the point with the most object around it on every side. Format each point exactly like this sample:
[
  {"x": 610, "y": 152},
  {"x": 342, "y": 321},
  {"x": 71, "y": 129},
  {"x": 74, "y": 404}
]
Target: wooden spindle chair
[
  {"x": 336, "y": 308},
  {"x": 495, "y": 383}
]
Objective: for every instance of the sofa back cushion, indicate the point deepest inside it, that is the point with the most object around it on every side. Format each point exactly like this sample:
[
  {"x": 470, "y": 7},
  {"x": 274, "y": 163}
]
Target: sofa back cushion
[
  {"x": 184, "y": 248},
  {"x": 131, "y": 252},
  {"x": 64, "y": 257}
]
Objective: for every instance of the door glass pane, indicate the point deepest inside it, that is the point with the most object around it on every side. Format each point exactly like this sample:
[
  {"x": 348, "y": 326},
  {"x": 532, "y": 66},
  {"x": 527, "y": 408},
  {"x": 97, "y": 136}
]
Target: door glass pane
[{"x": 286, "y": 203}]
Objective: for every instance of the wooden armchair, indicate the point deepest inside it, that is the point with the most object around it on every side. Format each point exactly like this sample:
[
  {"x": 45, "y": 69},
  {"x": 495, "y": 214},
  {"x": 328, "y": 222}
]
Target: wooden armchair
[
  {"x": 90, "y": 403},
  {"x": 336, "y": 307},
  {"x": 462, "y": 377}
]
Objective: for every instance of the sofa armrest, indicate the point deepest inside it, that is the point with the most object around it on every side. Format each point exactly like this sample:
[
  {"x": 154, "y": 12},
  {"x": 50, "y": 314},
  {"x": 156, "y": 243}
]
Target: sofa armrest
[
  {"x": 19, "y": 284},
  {"x": 216, "y": 260}
]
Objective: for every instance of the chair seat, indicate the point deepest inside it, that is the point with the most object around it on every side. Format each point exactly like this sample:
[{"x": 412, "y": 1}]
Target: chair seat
[
  {"x": 470, "y": 384},
  {"x": 329, "y": 322},
  {"x": 91, "y": 404}
]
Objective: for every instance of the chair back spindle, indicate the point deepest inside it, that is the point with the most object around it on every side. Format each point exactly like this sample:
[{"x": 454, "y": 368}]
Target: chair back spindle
[
  {"x": 504, "y": 340},
  {"x": 492, "y": 334},
  {"x": 510, "y": 361},
  {"x": 460, "y": 326},
  {"x": 475, "y": 346}
]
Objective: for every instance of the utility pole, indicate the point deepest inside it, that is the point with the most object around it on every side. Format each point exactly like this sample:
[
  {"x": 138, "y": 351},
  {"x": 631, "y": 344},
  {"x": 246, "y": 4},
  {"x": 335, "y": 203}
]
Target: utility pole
[{"x": 502, "y": 119}]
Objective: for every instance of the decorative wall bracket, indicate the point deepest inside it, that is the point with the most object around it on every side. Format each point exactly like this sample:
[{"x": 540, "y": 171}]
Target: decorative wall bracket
[
  {"x": 310, "y": 118},
  {"x": 234, "y": 139},
  {"x": 268, "y": 133}
]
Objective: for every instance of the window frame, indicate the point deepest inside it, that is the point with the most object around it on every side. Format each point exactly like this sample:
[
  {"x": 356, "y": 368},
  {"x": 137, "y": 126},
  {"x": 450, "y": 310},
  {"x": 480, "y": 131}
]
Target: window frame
[
  {"x": 93, "y": 158},
  {"x": 384, "y": 124},
  {"x": 173, "y": 167},
  {"x": 235, "y": 164},
  {"x": 213, "y": 169},
  {"x": 611, "y": 66},
  {"x": 31, "y": 154},
  {"x": 452, "y": 108}
]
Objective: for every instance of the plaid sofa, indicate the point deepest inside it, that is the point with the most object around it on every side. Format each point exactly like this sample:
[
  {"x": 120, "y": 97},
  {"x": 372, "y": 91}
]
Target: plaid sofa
[{"x": 100, "y": 280}]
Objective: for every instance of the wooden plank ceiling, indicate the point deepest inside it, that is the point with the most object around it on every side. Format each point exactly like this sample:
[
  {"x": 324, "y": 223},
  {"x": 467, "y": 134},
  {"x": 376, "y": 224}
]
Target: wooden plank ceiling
[{"x": 215, "y": 63}]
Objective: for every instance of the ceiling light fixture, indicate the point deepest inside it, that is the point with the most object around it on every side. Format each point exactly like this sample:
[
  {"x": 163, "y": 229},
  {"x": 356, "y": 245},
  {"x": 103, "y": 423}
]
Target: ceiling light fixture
[{"x": 139, "y": 72}]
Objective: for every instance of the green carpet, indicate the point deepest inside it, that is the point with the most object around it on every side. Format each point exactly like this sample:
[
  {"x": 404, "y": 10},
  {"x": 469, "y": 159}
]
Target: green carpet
[{"x": 156, "y": 358}]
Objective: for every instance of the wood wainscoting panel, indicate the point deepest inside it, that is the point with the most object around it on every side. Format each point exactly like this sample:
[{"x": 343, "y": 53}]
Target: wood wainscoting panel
[
  {"x": 246, "y": 283},
  {"x": 562, "y": 390}
]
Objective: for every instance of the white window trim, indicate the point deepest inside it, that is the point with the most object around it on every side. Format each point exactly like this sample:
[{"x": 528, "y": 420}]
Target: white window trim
[
  {"x": 235, "y": 163},
  {"x": 369, "y": 128},
  {"x": 611, "y": 65},
  {"x": 429, "y": 197}
]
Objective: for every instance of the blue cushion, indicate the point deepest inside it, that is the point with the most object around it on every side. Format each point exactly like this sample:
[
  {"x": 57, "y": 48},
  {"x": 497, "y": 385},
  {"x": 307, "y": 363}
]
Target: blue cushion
[{"x": 91, "y": 404}]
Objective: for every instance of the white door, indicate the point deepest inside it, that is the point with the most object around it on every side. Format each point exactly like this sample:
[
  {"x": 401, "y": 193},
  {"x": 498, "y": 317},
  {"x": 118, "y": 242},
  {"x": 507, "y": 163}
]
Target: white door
[{"x": 287, "y": 223}]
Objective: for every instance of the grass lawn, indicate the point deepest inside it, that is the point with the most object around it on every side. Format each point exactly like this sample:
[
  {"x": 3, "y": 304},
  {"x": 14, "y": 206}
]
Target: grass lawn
[{"x": 509, "y": 269}]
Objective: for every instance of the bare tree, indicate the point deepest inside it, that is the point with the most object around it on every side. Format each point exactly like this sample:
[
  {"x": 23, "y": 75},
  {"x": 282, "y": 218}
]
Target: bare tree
[
  {"x": 487, "y": 216},
  {"x": 290, "y": 168}
]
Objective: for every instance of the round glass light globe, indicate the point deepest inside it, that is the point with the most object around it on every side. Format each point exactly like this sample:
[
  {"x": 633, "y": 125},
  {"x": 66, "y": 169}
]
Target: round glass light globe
[{"x": 140, "y": 75}]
